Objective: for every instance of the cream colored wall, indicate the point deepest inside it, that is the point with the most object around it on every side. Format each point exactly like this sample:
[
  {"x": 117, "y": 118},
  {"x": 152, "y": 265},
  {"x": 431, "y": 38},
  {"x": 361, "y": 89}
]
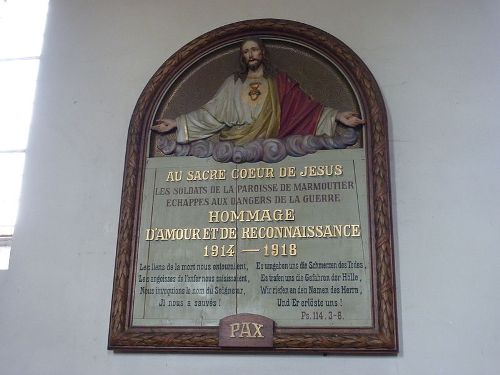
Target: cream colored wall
[{"x": 437, "y": 63}]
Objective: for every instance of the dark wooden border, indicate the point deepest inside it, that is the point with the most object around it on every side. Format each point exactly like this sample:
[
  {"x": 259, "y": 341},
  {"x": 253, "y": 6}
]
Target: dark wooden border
[{"x": 382, "y": 337}]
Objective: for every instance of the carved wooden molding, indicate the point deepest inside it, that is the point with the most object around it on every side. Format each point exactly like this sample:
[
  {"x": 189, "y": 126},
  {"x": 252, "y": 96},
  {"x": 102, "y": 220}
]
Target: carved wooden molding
[{"x": 382, "y": 337}]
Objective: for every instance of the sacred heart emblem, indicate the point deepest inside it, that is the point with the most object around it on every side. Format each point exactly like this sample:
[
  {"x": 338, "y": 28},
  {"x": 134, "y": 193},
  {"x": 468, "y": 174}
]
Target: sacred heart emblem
[{"x": 254, "y": 92}]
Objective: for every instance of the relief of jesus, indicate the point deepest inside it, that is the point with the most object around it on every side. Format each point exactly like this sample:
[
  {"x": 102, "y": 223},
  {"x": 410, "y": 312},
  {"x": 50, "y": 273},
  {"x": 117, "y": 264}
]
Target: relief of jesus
[{"x": 257, "y": 102}]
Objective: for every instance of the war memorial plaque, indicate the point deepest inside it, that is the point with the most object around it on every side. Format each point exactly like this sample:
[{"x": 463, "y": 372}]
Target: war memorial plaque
[{"x": 256, "y": 208}]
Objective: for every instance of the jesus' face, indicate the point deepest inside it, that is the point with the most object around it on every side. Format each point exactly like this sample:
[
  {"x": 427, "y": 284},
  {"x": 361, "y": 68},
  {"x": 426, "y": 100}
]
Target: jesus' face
[{"x": 252, "y": 54}]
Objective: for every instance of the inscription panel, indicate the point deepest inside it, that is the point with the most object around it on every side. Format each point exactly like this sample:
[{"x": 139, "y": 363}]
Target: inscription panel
[{"x": 288, "y": 241}]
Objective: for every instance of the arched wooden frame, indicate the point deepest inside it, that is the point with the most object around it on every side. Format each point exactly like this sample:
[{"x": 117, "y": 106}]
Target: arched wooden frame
[{"x": 382, "y": 337}]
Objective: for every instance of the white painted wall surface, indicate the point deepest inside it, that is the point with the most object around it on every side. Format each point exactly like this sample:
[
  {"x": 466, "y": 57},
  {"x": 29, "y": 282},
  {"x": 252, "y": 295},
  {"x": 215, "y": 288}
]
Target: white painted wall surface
[{"x": 438, "y": 66}]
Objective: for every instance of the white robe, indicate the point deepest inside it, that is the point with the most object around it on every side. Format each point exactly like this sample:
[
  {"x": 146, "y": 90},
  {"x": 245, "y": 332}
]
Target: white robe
[{"x": 227, "y": 109}]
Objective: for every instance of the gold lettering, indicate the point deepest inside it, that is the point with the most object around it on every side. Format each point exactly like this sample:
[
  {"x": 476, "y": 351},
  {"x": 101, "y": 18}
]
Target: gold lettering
[
  {"x": 237, "y": 216},
  {"x": 203, "y": 175},
  {"x": 266, "y": 216},
  {"x": 253, "y": 232},
  {"x": 257, "y": 330},
  {"x": 169, "y": 234},
  {"x": 252, "y": 173},
  {"x": 159, "y": 235},
  {"x": 196, "y": 234},
  {"x": 249, "y": 233},
  {"x": 322, "y": 170},
  {"x": 337, "y": 231},
  {"x": 245, "y": 330},
  {"x": 310, "y": 231},
  {"x": 255, "y": 215},
  {"x": 150, "y": 234},
  {"x": 287, "y": 172},
  {"x": 174, "y": 176},
  {"x": 206, "y": 234},
  {"x": 277, "y": 232},
  {"x": 302, "y": 231},
  {"x": 338, "y": 170},
  {"x": 224, "y": 216},
  {"x": 235, "y": 327},
  {"x": 289, "y": 214},
  {"x": 213, "y": 216},
  {"x": 278, "y": 215},
  {"x": 252, "y": 215},
  {"x": 227, "y": 233}
]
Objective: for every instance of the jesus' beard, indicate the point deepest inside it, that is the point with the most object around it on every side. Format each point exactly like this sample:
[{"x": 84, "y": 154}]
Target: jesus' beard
[{"x": 255, "y": 66}]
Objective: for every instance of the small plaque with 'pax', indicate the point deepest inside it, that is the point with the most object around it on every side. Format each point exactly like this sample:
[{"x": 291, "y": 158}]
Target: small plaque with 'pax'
[{"x": 246, "y": 330}]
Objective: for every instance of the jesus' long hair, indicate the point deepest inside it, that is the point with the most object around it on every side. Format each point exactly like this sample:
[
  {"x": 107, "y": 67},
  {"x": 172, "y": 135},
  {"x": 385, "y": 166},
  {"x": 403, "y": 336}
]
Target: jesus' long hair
[{"x": 269, "y": 69}]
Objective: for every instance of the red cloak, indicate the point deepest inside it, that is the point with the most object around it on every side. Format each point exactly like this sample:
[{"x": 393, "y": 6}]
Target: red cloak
[{"x": 299, "y": 112}]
